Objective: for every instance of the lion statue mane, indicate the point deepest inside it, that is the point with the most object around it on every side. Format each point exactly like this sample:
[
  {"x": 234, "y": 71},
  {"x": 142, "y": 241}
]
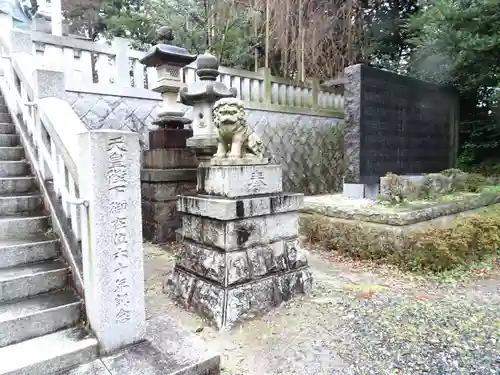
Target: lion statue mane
[{"x": 235, "y": 139}]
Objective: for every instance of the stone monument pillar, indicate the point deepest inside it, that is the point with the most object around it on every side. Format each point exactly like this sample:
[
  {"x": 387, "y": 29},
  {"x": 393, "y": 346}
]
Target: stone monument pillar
[
  {"x": 239, "y": 255},
  {"x": 202, "y": 95},
  {"x": 168, "y": 167}
]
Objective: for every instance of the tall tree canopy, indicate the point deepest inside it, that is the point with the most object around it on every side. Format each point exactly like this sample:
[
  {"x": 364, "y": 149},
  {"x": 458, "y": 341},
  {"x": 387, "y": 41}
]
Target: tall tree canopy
[{"x": 458, "y": 42}]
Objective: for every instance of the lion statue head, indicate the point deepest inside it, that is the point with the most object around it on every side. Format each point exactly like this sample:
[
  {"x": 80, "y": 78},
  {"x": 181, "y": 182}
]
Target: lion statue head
[{"x": 229, "y": 114}]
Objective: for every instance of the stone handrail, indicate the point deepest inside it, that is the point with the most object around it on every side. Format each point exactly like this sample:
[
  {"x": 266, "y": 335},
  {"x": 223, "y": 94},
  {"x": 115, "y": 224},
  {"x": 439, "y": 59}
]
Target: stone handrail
[
  {"x": 48, "y": 129},
  {"x": 90, "y": 182}
]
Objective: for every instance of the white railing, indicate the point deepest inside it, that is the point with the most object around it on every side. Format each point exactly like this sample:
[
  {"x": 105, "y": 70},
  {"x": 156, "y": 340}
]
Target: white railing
[
  {"x": 263, "y": 90},
  {"x": 48, "y": 130},
  {"x": 115, "y": 63},
  {"x": 95, "y": 62}
]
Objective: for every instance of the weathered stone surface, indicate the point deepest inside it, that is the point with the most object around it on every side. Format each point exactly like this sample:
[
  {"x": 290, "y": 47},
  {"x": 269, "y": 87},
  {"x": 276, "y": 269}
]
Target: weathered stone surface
[
  {"x": 335, "y": 206},
  {"x": 168, "y": 158},
  {"x": 295, "y": 255},
  {"x": 183, "y": 284},
  {"x": 241, "y": 301},
  {"x": 239, "y": 181},
  {"x": 206, "y": 262},
  {"x": 230, "y": 209},
  {"x": 236, "y": 267},
  {"x": 240, "y": 234},
  {"x": 208, "y": 301},
  {"x": 352, "y": 119}
]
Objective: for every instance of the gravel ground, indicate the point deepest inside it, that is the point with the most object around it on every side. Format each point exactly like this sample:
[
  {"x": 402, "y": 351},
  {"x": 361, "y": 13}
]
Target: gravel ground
[{"x": 358, "y": 320}]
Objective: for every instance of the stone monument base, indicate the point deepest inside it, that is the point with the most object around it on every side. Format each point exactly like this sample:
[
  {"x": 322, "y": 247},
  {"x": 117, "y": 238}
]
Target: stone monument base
[
  {"x": 360, "y": 191},
  {"x": 240, "y": 255},
  {"x": 166, "y": 173},
  {"x": 225, "y": 306}
]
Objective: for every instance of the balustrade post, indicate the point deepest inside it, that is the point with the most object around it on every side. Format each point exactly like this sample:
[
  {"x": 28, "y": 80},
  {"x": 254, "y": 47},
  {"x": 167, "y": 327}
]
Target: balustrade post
[
  {"x": 109, "y": 167},
  {"x": 266, "y": 72},
  {"x": 120, "y": 45},
  {"x": 315, "y": 93}
]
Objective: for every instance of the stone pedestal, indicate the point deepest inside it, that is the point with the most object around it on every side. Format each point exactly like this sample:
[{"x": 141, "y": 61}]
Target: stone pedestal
[
  {"x": 169, "y": 169},
  {"x": 240, "y": 255}
]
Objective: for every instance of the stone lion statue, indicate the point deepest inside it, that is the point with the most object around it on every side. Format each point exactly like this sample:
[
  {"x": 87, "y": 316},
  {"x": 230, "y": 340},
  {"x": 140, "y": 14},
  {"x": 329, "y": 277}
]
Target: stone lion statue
[{"x": 235, "y": 140}]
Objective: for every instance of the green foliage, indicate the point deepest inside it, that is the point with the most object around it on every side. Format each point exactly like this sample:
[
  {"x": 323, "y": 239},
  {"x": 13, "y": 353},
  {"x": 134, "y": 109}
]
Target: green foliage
[
  {"x": 466, "y": 240},
  {"x": 458, "y": 42},
  {"x": 221, "y": 27},
  {"x": 390, "y": 39}
]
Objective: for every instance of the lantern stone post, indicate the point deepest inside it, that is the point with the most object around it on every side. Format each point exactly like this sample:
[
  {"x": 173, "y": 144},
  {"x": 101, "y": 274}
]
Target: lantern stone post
[
  {"x": 202, "y": 95},
  {"x": 169, "y": 168}
]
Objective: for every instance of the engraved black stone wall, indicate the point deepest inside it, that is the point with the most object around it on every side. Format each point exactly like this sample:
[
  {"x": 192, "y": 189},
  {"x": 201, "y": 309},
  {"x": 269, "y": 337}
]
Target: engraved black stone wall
[{"x": 403, "y": 125}]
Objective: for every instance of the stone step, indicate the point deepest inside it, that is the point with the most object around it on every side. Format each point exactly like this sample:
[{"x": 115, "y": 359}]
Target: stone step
[
  {"x": 2, "y": 101},
  {"x": 15, "y": 153},
  {"x": 14, "y": 168},
  {"x": 7, "y": 128},
  {"x": 27, "y": 250},
  {"x": 48, "y": 354},
  {"x": 14, "y": 227},
  {"x": 5, "y": 117},
  {"x": 28, "y": 318},
  {"x": 22, "y": 184},
  {"x": 13, "y": 204},
  {"x": 32, "y": 279},
  {"x": 3, "y": 108},
  {"x": 9, "y": 140}
]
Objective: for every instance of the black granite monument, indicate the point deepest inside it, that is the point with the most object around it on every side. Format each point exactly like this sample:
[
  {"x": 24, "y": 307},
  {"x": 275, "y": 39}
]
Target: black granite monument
[{"x": 396, "y": 124}]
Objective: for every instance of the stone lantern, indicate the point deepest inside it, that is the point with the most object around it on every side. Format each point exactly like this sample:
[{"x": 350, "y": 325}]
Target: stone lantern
[
  {"x": 168, "y": 61},
  {"x": 202, "y": 95},
  {"x": 168, "y": 167}
]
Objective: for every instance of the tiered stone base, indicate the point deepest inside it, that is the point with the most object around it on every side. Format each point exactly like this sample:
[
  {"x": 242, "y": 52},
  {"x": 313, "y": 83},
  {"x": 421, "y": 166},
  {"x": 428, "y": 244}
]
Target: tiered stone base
[
  {"x": 168, "y": 170},
  {"x": 240, "y": 255}
]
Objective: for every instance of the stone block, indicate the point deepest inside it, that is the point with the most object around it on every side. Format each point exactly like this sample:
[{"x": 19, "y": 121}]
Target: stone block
[
  {"x": 230, "y": 209},
  {"x": 372, "y": 191},
  {"x": 224, "y": 308},
  {"x": 114, "y": 271},
  {"x": 239, "y": 181},
  {"x": 169, "y": 138},
  {"x": 168, "y": 158},
  {"x": 206, "y": 262},
  {"x": 240, "y": 234},
  {"x": 159, "y": 211},
  {"x": 356, "y": 191},
  {"x": 168, "y": 175},
  {"x": 236, "y": 267},
  {"x": 159, "y": 233},
  {"x": 165, "y": 191}
]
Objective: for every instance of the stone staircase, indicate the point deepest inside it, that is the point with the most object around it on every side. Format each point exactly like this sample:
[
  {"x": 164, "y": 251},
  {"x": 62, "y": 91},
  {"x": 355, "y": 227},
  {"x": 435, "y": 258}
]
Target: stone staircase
[{"x": 40, "y": 314}]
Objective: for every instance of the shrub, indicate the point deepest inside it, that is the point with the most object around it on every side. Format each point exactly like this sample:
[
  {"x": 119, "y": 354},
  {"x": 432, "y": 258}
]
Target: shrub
[{"x": 466, "y": 239}]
